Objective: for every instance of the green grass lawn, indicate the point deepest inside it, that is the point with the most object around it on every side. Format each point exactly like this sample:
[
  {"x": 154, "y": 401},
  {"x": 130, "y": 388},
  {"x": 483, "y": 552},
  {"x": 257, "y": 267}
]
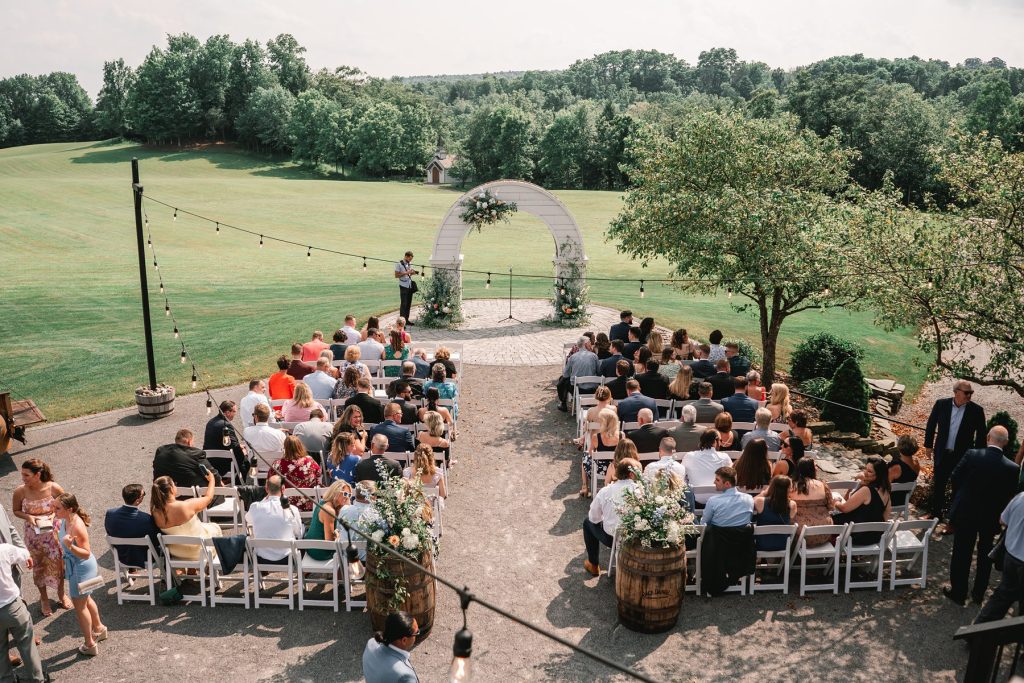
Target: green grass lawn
[{"x": 70, "y": 319}]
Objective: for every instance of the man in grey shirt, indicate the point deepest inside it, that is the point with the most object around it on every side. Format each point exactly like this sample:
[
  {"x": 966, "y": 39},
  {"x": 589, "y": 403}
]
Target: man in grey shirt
[
  {"x": 583, "y": 363},
  {"x": 707, "y": 409},
  {"x": 404, "y": 272},
  {"x": 762, "y": 418}
]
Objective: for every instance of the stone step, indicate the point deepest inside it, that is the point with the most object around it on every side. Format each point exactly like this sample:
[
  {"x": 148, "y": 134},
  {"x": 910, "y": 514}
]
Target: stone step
[{"x": 821, "y": 427}]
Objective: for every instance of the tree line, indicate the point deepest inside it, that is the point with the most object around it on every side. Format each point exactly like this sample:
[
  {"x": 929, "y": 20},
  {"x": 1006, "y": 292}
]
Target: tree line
[{"x": 564, "y": 129}]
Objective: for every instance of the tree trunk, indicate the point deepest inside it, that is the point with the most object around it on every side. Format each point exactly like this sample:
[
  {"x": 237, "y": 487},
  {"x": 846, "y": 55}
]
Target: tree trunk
[{"x": 771, "y": 323}]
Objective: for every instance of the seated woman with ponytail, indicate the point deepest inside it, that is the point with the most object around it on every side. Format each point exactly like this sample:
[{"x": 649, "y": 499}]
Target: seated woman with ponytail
[{"x": 179, "y": 517}]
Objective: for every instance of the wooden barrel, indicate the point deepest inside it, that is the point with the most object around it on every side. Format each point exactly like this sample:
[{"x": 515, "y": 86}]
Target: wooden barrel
[
  {"x": 649, "y": 585},
  {"x": 153, "y": 407},
  {"x": 420, "y": 591}
]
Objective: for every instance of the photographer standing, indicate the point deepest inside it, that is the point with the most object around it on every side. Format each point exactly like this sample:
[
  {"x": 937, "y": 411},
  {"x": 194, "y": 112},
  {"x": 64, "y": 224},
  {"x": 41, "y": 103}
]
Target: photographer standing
[{"x": 406, "y": 287}]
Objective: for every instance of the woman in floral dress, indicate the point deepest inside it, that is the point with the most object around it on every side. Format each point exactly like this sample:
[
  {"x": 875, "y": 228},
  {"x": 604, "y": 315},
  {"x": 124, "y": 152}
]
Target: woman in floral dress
[
  {"x": 300, "y": 470},
  {"x": 34, "y": 503}
]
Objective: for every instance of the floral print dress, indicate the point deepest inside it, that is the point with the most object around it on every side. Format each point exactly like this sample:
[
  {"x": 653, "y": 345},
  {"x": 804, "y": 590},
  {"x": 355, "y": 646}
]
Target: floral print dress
[
  {"x": 302, "y": 473},
  {"x": 47, "y": 561}
]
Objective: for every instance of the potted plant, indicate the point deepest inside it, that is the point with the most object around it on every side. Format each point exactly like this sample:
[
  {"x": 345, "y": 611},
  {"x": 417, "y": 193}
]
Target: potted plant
[{"x": 155, "y": 403}]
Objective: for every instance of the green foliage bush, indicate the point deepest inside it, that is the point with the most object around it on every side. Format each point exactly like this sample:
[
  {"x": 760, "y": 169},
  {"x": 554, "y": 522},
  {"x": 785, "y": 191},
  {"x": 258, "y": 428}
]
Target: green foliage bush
[
  {"x": 747, "y": 350},
  {"x": 817, "y": 386},
  {"x": 820, "y": 355},
  {"x": 1003, "y": 418},
  {"x": 849, "y": 389}
]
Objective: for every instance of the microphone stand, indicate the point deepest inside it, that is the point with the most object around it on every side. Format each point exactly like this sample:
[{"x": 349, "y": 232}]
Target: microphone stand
[{"x": 510, "y": 316}]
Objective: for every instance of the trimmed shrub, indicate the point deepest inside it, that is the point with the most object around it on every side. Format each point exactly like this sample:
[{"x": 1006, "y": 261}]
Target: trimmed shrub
[
  {"x": 820, "y": 355},
  {"x": 816, "y": 386},
  {"x": 1003, "y": 418},
  {"x": 850, "y": 389},
  {"x": 747, "y": 350}
]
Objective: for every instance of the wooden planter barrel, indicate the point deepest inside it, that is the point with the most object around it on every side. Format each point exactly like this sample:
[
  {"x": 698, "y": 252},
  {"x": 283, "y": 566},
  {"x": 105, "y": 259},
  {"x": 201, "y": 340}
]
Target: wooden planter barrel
[
  {"x": 649, "y": 585},
  {"x": 153, "y": 407},
  {"x": 419, "y": 601}
]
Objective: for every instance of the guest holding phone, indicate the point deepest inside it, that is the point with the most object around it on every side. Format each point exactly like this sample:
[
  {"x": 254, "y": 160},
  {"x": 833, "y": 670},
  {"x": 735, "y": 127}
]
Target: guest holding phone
[{"x": 79, "y": 567}]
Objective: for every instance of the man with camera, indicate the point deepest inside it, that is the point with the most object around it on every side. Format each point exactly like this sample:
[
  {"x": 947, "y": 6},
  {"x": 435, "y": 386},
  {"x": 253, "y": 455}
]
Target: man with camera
[{"x": 274, "y": 518}]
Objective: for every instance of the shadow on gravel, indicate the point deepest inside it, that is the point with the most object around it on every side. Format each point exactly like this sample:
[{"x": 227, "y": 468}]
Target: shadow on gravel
[{"x": 133, "y": 420}]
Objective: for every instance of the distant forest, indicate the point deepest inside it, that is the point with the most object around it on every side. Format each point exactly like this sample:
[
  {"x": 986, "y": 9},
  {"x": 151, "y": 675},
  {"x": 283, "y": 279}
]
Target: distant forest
[{"x": 563, "y": 129}]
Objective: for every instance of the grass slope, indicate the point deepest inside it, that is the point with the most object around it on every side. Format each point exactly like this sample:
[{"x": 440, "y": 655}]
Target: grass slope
[{"x": 70, "y": 323}]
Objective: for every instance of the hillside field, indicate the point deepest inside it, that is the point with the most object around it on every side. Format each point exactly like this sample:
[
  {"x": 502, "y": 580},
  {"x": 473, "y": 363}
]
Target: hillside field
[{"x": 70, "y": 321}]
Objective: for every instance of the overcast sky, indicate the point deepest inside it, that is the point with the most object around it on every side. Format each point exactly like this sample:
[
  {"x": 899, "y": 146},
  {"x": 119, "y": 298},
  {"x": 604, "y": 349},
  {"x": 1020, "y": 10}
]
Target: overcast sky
[{"x": 386, "y": 38}]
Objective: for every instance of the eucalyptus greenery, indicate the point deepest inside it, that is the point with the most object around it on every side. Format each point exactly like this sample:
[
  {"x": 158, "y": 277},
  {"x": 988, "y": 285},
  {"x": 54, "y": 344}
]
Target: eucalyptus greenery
[{"x": 442, "y": 299}]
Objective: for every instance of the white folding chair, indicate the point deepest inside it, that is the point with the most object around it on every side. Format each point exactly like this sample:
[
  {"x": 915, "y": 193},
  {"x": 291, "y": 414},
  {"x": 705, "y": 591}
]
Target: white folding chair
[
  {"x": 904, "y": 541},
  {"x": 263, "y": 463},
  {"x": 201, "y": 564},
  {"x": 702, "y": 494},
  {"x": 330, "y": 568},
  {"x": 694, "y": 555},
  {"x": 224, "y": 461},
  {"x": 351, "y": 581},
  {"x": 218, "y": 577},
  {"x": 129, "y": 572},
  {"x": 824, "y": 557},
  {"x": 843, "y": 486},
  {"x": 313, "y": 492},
  {"x": 777, "y": 560},
  {"x": 433, "y": 496},
  {"x": 613, "y": 556},
  {"x": 262, "y": 571},
  {"x": 595, "y": 458},
  {"x": 373, "y": 366},
  {"x": 873, "y": 552},
  {"x": 577, "y": 382},
  {"x": 903, "y": 511},
  {"x": 744, "y": 426},
  {"x": 231, "y": 509},
  {"x": 664, "y": 406}
]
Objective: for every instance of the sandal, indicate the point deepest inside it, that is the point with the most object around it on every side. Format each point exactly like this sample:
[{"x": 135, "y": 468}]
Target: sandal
[
  {"x": 584, "y": 493},
  {"x": 65, "y": 602},
  {"x": 100, "y": 635},
  {"x": 46, "y": 608},
  {"x": 88, "y": 651}
]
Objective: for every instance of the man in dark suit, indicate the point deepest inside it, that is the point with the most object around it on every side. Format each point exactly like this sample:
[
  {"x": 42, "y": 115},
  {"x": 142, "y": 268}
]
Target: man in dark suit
[
  {"x": 128, "y": 521},
  {"x": 366, "y": 469},
  {"x": 409, "y": 377},
  {"x": 955, "y": 425},
  {"x": 373, "y": 410},
  {"x": 631, "y": 347},
  {"x": 623, "y": 369},
  {"x": 409, "y": 406},
  {"x": 647, "y": 436},
  {"x": 400, "y": 439},
  {"x": 630, "y": 406},
  {"x": 217, "y": 430},
  {"x": 721, "y": 381},
  {"x": 738, "y": 365},
  {"x": 620, "y": 330},
  {"x": 739, "y": 405},
  {"x": 606, "y": 368},
  {"x": 652, "y": 383},
  {"x": 984, "y": 481},
  {"x": 702, "y": 367},
  {"x": 181, "y": 461}
]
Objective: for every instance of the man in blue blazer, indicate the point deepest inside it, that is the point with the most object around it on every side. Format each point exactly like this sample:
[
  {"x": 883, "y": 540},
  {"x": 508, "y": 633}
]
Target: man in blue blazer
[
  {"x": 630, "y": 406},
  {"x": 128, "y": 521},
  {"x": 739, "y": 405},
  {"x": 386, "y": 657},
  {"x": 400, "y": 439},
  {"x": 954, "y": 425},
  {"x": 620, "y": 330},
  {"x": 984, "y": 481}
]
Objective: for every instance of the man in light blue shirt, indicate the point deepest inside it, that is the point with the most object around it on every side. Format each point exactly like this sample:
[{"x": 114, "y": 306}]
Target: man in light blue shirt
[
  {"x": 730, "y": 507},
  {"x": 1011, "y": 587},
  {"x": 583, "y": 363},
  {"x": 321, "y": 384}
]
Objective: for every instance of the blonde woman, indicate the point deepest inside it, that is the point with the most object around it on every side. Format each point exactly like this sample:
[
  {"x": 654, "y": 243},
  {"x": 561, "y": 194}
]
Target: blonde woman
[
  {"x": 625, "y": 449},
  {"x": 180, "y": 517},
  {"x": 444, "y": 357},
  {"x": 352, "y": 356},
  {"x": 603, "y": 441},
  {"x": 655, "y": 343},
  {"x": 296, "y": 409},
  {"x": 322, "y": 526},
  {"x": 423, "y": 465},
  {"x": 332, "y": 371},
  {"x": 603, "y": 396},
  {"x": 679, "y": 388},
  {"x": 433, "y": 435},
  {"x": 778, "y": 402}
]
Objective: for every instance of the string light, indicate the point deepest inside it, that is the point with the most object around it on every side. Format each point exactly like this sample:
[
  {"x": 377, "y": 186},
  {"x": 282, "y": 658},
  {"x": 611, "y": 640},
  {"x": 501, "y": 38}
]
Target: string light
[
  {"x": 175, "y": 215},
  {"x": 488, "y": 285},
  {"x": 149, "y": 242},
  {"x": 195, "y": 378},
  {"x": 209, "y": 406},
  {"x": 183, "y": 354},
  {"x": 218, "y": 228},
  {"x": 176, "y": 334},
  {"x": 931, "y": 282},
  {"x": 462, "y": 648},
  {"x": 309, "y": 254},
  {"x": 730, "y": 292},
  {"x": 364, "y": 263},
  {"x": 641, "y": 289},
  {"x": 826, "y": 292},
  {"x": 161, "y": 286},
  {"x": 156, "y": 266},
  {"x": 355, "y": 567},
  {"x": 167, "y": 308},
  {"x": 261, "y": 241}
]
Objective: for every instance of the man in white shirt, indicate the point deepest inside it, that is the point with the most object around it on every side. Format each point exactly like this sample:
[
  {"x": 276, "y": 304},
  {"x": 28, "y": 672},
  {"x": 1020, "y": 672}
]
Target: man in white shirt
[
  {"x": 602, "y": 521},
  {"x": 320, "y": 382},
  {"x": 261, "y": 436},
  {"x": 762, "y": 419},
  {"x": 702, "y": 464},
  {"x": 314, "y": 433},
  {"x": 373, "y": 347},
  {"x": 352, "y": 335},
  {"x": 257, "y": 394},
  {"x": 268, "y": 519},
  {"x": 14, "y": 617},
  {"x": 666, "y": 463}
]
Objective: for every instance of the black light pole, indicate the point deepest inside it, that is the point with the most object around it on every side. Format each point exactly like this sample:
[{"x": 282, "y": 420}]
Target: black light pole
[
  {"x": 510, "y": 316},
  {"x": 140, "y": 238}
]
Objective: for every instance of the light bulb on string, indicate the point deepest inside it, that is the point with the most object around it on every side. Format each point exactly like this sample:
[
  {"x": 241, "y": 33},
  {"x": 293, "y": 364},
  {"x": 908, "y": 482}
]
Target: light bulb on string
[
  {"x": 931, "y": 281},
  {"x": 176, "y": 335},
  {"x": 261, "y": 241},
  {"x": 149, "y": 242},
  {"x": 167, "y": 309},
  {"x": 355, "y": 567},
  {"x": 462, "y": 647},
  {"x": 641, "y": 289},
  {"x": 209, "y": 406},
  {"x": 184, "y": 355},
  {"x": 729, "y": 290},
  {"x": 175, "y": 215},
  {"x": 195, "y": 378},
  {"x": 309, "y": 254},
  {"x": 364, "y": 263},
  {"x": 488, "y": 285},
  {"x": 218, "y": 228},
  {"x": 161, "y": 286},
  {"x": 826, "y": 292},
  {"x": 156, "y": 266}
]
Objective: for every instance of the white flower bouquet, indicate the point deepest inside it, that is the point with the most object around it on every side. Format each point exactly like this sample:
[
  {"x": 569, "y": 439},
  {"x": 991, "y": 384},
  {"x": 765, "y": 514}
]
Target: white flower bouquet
[
  {"x": 400, "y": 516},
  {"x": 653, "y": 513},
  {"x": 485, "y": 209}
]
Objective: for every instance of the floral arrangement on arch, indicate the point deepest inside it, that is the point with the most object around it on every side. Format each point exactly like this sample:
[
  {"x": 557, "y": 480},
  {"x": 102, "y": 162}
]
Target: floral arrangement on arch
[
  {"x": 442, "y": 299},
  {"x": 653, "y": 514},
  {"x": 572, "y": 294},
  {"x": 484, "y": 208}
]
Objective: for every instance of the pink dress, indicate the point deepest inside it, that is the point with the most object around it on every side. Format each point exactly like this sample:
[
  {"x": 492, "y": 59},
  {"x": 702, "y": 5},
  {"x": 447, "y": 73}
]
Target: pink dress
[{"x": 47, "y": 561}]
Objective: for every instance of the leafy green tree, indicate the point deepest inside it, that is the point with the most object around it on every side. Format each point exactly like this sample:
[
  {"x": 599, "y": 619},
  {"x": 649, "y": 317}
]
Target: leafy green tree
[
  {"x": 568, "y": 151},
  {"x": 744, "y": 205},
  {"x": 991, "y": 100},
  {"x": 112, "y": 103},
  {"x": 288, "y": 64},
  {"x": 311, "y": 127},
  {"x": 500, "y": 143},
  {"x": 264, "y": 123},
  {"x": 247, "y": 72},
  {"x": 211, "y": 74},
  {"x": 613, "y": 131},
  {"x": 375, "y": 139},
  {"x": 416, "y": 143},
  {"x": 715, "y": 68}
]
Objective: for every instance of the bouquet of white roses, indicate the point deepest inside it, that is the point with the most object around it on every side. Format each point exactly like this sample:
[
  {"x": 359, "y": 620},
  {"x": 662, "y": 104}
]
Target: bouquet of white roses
[
  {"x": 484, "y": 208},
  {"x": 653, "y": 514},
  {"x": 400, "y": 516}
]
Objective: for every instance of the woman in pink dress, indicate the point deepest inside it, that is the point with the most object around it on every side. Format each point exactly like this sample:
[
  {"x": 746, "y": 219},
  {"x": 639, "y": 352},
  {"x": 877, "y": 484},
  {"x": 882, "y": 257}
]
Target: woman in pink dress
[
  {"x": 34, "y": 503},
  {"x": 300, "y": 470}
]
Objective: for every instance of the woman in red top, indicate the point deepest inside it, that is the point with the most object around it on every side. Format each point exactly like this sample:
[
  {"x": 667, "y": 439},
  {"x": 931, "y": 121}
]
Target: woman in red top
[
  {"x": 300, "y": 470},
  {"x": 281, "y": 385}
]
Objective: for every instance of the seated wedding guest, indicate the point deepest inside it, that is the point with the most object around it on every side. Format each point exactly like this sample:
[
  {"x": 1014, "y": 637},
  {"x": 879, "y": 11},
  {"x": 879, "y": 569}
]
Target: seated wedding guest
[
  {"x": 346, "y": 451},
  {"x": 606, "y": 368},
  {"x": 754, "y": 388},
  {"x": 323, "y": 523},
  {"x": 395, "y": 350},
  {"x": 730, "y": 439},
  {"x": 297, "y": 408},
  {"x": 792, "y": 449},
  {"x": 181, "y": 517},
  {"x": 603, "y": 396},
  {"x": 352, "y": 335},
  {"x": 682, "y": 346},
  {"x": 814, "y": 501},
  {"x": 687, "y": 434},
  {"x": 256, "y": 396},
  {"x": 656, "y": 344},
  {"x": 773, "y": 507},
  {"x": 753, "y": 469},
  {"x": 400, "y": 326},
  {"x": 778, "y": 402},
  {"x": 446, "y": 389},
  {"x": 297, "y": 368},
  {"x": 261, "y": 435},
  {"x": 652, "y": 383},
  {"x": 739, "y": 405},
  {"x": 352, "y": 356},
  {"x": 372, "y": 323},
  {"x": 738, "y": 365},
  {"x": 797, "y": 422},
  {"x": 666, "y": 462},
  {"x": 716, "y": 350},
  {"x": 623, "y": 373},
  {"x": 367, "y": 467},
  {"x": 646, "y": 328},
  {"x": 762, "y": 420},
  {"x": 732, "y": 507},
  {"x": 311, "y": 349},
  {"x": 321, "y": 383},
  {"x": 604, "y": 441},
  {"x": 352, "y": 514},
  {"x": 410, "y": 408},
  {"x": 345, "y": 388},
  {"x": 634, "y": 401},
  {"x": 603, "y": 518},
  {"x": 128, "y": 521},
  {"x": 182, "y": 461},
  {"x": 904, "y": 468},
  {"x": 220, "y": 435},
  {"x": 373, "y": 409},
  {"x": 433, "y": 435},
  {"x": 299, "y": 470},
  {"x": 314, "y": 433},
  {"x": 869, "y": 503},
  {"x": 331, "y": 370},
  {"x": 273, "y": 519},
  {"x": 702, "y": 367},
  {"x": 702, "y": 464},
  {"x": 681, "y": 386},
  {"x": 419, "y": 359},
  {"x": 583, "y": 363},
  {"x": 424, "y": 466},
  {"x": 647, "y": 436},
  {"x": 620, "y": 330},
  {"x": 633, "y": 344},
  {"x": 400, "y": 439},
  {"x": 432, "y": 396},
  {"x": 409, "y": 377},
  {"x": 640, "y": 358},
  {"x": 602, "y": 346},
  {"x": 340, "y": 343},
  {"x": 707, "y": 408},
  {"x": 281, "y": 385},
  {"x": 721, "y": 382},
  {"x": 444, "y": 356},
  {"x": 667, "y": 365},
  {"x": 351, "y": 421},
  {"x": 625, "y": 449}
]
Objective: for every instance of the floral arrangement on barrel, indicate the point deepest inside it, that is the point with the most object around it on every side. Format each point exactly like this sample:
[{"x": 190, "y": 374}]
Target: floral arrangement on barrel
[
  {"x": 571, "y": 294},
  {"x": 652, "y": 512},
  {"x": 442, "y": 299},
  {"x": 483, "y": 208}
]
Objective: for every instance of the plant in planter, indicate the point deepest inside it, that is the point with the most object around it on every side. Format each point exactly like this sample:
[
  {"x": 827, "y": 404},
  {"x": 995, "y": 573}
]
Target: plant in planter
[
  {"x": 442, "y": 299},
  {"x": 571, "y": 294},
  {"x": 484, "y": 208},
  {"x": 155, "y": 403}
]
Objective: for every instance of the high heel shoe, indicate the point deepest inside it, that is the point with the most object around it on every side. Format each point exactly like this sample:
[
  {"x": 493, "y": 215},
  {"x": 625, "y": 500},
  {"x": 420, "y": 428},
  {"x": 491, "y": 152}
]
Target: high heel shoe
[
  {"x": 100, "y": 635},
  {"x": 88, "y": 651}
]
